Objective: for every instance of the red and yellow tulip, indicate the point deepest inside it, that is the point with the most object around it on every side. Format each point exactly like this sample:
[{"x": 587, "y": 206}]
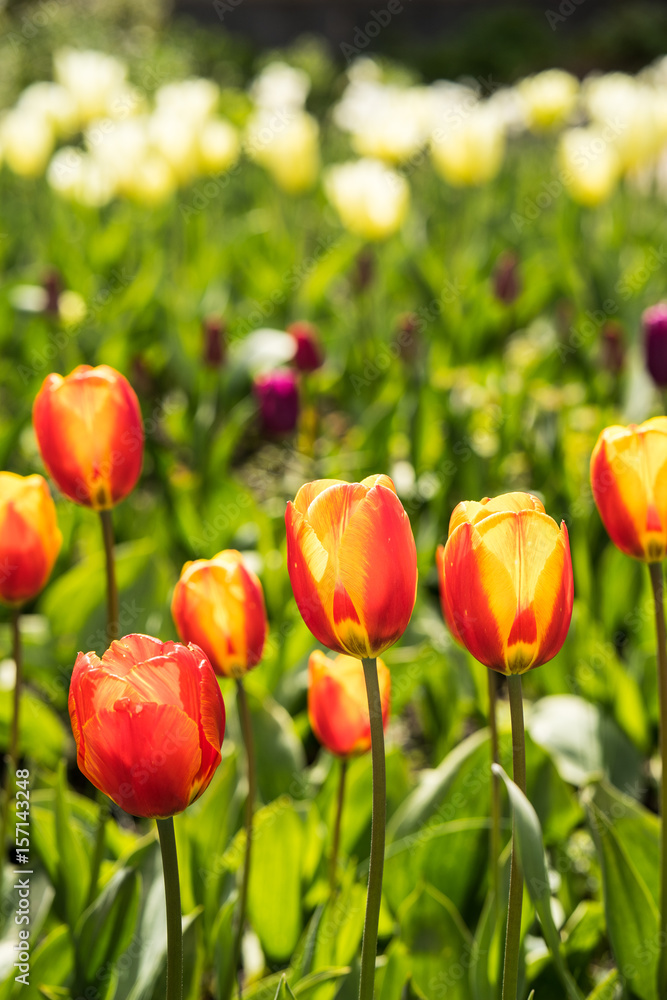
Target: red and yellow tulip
[
  {"x": 29, "y": 536},
  {"x": 90, "y": 434},
  {"x": 629, "y": 481},
  {"x": 218, "y": 603},
  {"x": 506, "y": 581},
  {"x": 338, "y": 704},
  {"x": 352, "y": 563},
  {"x": 148, "y": 720}
]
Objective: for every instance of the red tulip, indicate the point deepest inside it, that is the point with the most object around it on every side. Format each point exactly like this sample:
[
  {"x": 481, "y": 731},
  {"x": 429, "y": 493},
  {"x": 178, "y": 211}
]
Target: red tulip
[
  {"x": 278, "y": 396},
  {"x": 506, "y": 581},
  {"x": 338, "y": 703},
  {"x": 29, "y": 536},
  {"x": 308, "y": 351},
  {"x": 218, "y": 603},
  {"x": 148, "y": 720},
  {"x": 352, "y": 563},
  {"x": 90, "y": 435},
  {"x": 628, "y": 477}
]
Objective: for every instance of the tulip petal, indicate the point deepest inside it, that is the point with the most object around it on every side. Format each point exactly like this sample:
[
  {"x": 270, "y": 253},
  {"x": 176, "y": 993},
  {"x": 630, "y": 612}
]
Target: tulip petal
[
  {"x": 307, "y": 563},
  {"x": 124, "y": 654},
  {"x": 309, "y": 491},
  {"x": 143, "y": 756},
  {"x": 554, "y": 596},
  {"x": 473, "y": 511}
]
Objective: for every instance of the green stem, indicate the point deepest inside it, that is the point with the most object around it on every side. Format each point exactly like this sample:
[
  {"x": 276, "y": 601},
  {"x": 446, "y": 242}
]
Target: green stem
[
  {"x": 172, "y": 892},
  {"x": 246, "y": 731},
  {"x": 376, "y": 866},
  {"x": 11, "y": 760},
  {"x": 112, "y": 588},
  {"x": 513, "y": 936},
  {"x": 655, "y": 571},
  {"x": 495, "y": 788},
  {"x": 333, "y": 869}
]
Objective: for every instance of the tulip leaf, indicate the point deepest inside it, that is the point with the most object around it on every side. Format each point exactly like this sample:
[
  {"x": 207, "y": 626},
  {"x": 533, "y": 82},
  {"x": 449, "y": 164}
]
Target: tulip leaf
[
  {"x": 607, "y": 989},
  {"x": 73, "y": 868},
  {"x": 533, "y": 864},
  {"x": 278, "y": 749},
  {"x": 584, "y": 742},
  {"x": 438, "y": 944},
  {"x": 627, "y": 840},
  {"x": 307, "y": 986},
  {"x": 284, "y": 992},
  {"x": 53, "y": 959},
  {"x": 106, "y": 928},
  {"x": 274, "y": 895}
]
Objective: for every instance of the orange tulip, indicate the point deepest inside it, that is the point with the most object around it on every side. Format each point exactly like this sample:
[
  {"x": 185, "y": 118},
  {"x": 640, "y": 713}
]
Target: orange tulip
[
  {"x": 29, "y": 536},
  {"x": 506, "y": 581},
  {"x": 219, "y": 604},
  {"x": 338, "y": 704},
  {"x": 148, "y": 720},
  {"x": 352, "y": 563},
  {"x": 629, "y": 480},
  {"x": 90, "y": 435}
]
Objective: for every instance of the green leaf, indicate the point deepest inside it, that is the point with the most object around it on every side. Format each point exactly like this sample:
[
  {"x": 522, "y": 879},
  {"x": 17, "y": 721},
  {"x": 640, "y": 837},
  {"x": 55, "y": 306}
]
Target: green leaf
[
  {"x": 105, "y": 929},
  {"x": 584, "y": 742},
  {"x": 284, "y": 992},
  {"x": 73, "y": 867},
  {"x": 607, "y": 989},
  {"x": 437, "y": 941},
  {"x": 533, "y": 864},
  {"x": 627, "y": 837},
  {"x": 278, "y": 749},
  {"x": 306, "y": 986},
  {"x": 274, "y": 894}
]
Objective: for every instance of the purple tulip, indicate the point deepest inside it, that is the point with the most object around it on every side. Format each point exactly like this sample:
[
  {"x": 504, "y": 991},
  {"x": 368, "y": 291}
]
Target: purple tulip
[
  {"x": 278, "y": 396},
  {"x": 654, "y": 322}
]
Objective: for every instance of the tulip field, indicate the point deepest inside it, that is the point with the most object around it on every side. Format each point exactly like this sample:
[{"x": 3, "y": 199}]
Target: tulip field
[{"x": 333, "y": 513}]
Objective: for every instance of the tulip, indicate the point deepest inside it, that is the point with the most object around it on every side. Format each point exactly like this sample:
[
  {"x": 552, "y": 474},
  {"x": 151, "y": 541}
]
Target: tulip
[
  {"x": 214, "y": 351},
  {"x": 90, "y": 435},
  {"x": 337, "y": 702},
  {"x": 628, "y": 481},
  {"x": 308, "y": 351},
  {"x": 471, "y": 150},
  {"x": 353, "y": 567},
  {"x": 352, "y": 563},
  {"x": 506, "y": 581},
  {"x": 590, "y": 165},
  {"x": 218, "y": 604},
  {"x": 548, "y": 98},
  {"x": 506, "y": 590},
  {"x": 371, "y": 200},
  {"x": 630, "y": 490},
  {"x": 654, "y": 322},
  {"x": 506, "y": 278},
  {"x": 278, "y": 395},
  {"x": 29, "y": 537},
  {"x": 148, "y": 720}
]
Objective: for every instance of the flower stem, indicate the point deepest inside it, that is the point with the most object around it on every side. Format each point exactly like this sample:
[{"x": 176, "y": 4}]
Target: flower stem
[
  {"x": 513, "y": 936},
  {"x": 495, "y": 788},
  {"x": 12, "y": 759},
  {"x": 172, "y": 892},
  {"x": 112, "y": 588},
  {"x": 246, "y": 730},
  {"x": 333, "y": 869},
  {"x": 98, "y": 855},
  {"x": 655, "y": 571},
  {"x": 376, "y": 865}
]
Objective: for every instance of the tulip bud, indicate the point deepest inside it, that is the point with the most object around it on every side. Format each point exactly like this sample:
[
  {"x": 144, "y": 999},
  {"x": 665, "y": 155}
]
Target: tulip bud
[
  {"x": 654, "y": 322},
  {"x": 148, "y": 720},
  {"x": 628, "y": 469},
  {"x": 90, "y": 435},
  {"x": 308, "y": 353},
  {"x": 52, "y": 285},
  {"x": 338, "y": 703},
  {"x": 278, "y": 396},
  {"x": 214, "y": 341},
  {"x": 506, "y": 280},
  {"x": 218, "y": 603},
  {"x": 29, "y": 536},
  {"x": 352, "y": 563},
  {"x": 506, "y": 581},
  {"x": 612, "y": 349}
]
